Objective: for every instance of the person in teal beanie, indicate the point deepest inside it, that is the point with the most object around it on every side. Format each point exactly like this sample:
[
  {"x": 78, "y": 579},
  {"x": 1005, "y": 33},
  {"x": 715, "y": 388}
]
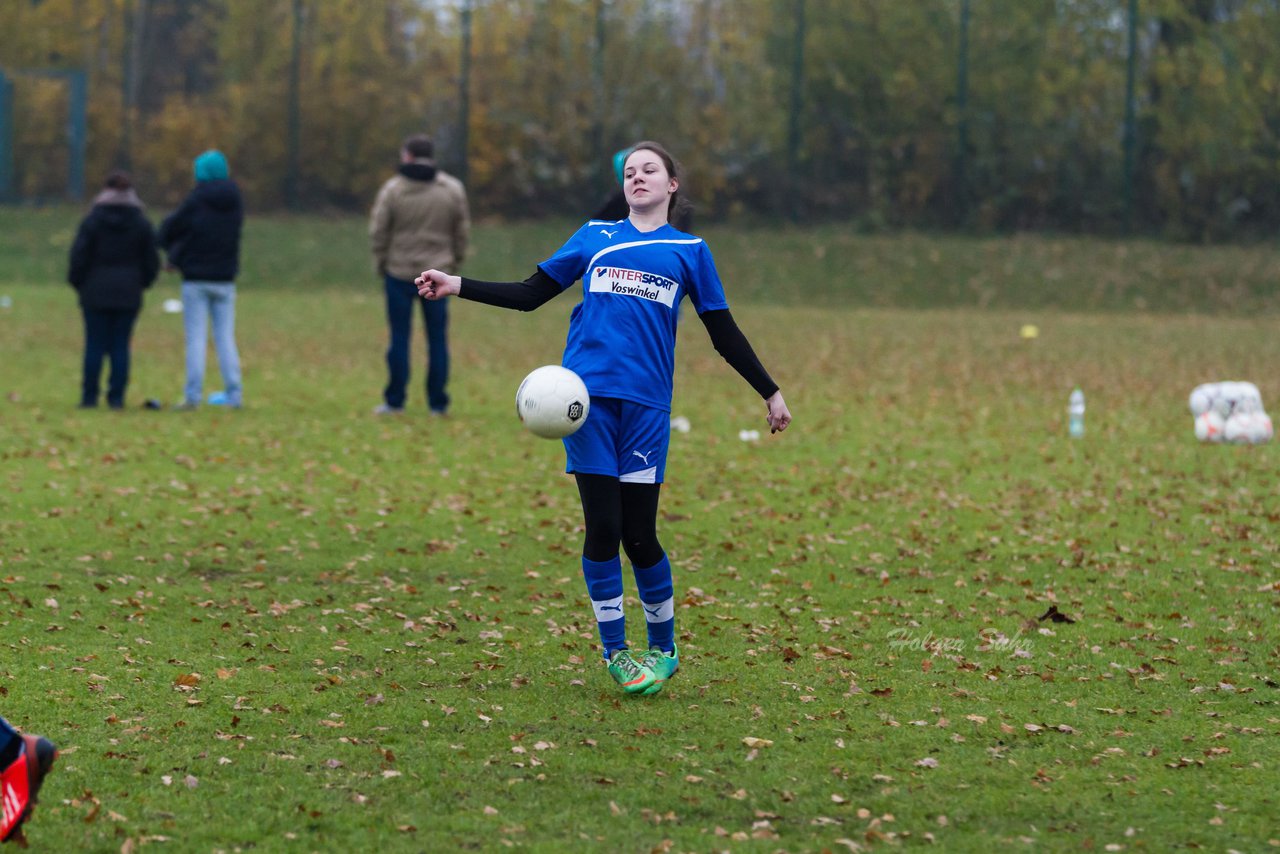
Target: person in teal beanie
[
  {"x": 212, "y": 166},
  {"x": 202, "y": 239}
]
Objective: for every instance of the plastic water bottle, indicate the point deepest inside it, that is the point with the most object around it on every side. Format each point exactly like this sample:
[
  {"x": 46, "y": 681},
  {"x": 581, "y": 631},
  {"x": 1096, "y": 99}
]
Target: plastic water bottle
[{"x": 1075, "y": 414}]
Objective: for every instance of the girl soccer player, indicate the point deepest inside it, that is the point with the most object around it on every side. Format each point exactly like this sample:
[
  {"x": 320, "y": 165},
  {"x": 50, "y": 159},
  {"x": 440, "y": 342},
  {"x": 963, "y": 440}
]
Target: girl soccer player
[{"x": 621, "y": 342}]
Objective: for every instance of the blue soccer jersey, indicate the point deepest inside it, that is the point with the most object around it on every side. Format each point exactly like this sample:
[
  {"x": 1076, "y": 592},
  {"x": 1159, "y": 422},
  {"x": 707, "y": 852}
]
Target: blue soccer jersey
[{"x": 622, "y": 336}]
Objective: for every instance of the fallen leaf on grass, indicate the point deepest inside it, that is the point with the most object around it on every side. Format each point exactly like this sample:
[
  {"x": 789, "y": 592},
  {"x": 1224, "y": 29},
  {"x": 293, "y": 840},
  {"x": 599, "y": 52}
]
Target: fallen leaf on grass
[{"x": 751, "y": 741}]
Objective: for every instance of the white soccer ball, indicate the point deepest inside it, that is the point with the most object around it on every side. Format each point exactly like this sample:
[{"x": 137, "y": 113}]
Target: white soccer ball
[
  {"x": 552, "y": 402},
  {"x": 1263, "y": 430},
  {"x": 1239, "y": 428},
  {"x": 1202, "y": 397},
  {"x": 1209, "y": 426}
]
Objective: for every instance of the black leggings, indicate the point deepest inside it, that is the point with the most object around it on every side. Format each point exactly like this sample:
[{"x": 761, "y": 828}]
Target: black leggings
[{"x": 616, "y": 512}]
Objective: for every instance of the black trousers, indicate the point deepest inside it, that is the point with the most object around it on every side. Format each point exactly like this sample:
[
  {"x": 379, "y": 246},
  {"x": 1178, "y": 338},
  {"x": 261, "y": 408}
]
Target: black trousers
[{"x": 107, "y": 334}]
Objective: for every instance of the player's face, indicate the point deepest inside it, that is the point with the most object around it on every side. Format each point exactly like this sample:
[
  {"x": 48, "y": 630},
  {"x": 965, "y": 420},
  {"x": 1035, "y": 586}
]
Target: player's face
[{"x": 646, "y": 182}]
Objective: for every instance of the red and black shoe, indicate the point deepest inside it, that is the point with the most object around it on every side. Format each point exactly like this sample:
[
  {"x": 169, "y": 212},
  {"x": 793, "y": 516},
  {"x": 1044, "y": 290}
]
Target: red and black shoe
[{"x": 20, "y": 785}]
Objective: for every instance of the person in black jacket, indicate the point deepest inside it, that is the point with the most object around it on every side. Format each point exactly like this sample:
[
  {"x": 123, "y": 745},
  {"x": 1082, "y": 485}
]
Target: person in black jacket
[
  {"x": 113, "y": 260},
  {"x": 202, "y": 239}
]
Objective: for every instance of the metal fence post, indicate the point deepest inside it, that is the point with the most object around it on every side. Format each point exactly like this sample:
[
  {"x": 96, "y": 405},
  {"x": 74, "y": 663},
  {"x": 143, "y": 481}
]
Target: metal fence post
[{"x": 7, "y": 193}]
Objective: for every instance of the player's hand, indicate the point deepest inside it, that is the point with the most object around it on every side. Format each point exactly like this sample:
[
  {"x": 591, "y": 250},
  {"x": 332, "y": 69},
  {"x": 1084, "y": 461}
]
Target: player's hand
[
  {"x": 779, "y": 416},
  {"x": 433, "y": 284}
]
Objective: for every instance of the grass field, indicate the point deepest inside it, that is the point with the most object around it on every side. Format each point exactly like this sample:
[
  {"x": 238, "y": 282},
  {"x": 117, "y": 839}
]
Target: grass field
[{"x": 301, "y": 628}]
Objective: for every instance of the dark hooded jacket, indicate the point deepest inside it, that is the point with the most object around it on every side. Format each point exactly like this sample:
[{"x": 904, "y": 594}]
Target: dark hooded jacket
[
  {"x": 114, "y": 257},
  {"x": 202, "y": 237}
]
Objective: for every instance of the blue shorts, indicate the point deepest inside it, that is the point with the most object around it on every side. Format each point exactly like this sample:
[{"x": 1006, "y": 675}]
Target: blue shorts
[{"x": 620, "y": 439}]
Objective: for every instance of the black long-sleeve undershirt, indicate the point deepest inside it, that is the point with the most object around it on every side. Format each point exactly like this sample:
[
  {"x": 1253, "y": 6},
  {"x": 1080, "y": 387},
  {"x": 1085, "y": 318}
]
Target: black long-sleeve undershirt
[
  {"x": 540, "y": 288},
  {"x": 734, "y": 348},
  {"x": 521, "y": 296}
]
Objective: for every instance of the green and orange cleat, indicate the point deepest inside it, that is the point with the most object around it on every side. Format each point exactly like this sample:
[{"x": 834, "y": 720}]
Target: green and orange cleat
[
  {"x": 663, "y": 665},
  {"x": 633, "y": 676}
]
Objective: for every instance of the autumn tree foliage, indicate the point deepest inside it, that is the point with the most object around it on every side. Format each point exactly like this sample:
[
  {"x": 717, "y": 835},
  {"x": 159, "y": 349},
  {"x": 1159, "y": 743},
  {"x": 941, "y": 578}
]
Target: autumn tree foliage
[{"x": 828, "y": 108}]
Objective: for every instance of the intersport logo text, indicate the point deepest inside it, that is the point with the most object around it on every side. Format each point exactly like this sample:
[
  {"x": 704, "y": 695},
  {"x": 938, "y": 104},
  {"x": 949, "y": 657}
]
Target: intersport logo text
[{"x": 634, "y": 283}]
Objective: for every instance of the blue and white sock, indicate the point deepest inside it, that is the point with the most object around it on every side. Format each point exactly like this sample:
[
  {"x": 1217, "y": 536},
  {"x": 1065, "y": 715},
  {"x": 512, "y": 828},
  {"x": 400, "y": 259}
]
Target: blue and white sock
[
  {"x": 656, "y": 596},
  {"x": 604, "y": 586}
]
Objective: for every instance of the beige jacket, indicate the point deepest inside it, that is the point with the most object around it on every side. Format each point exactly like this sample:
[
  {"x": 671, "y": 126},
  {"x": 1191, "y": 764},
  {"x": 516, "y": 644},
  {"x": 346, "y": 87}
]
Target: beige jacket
[{"x": 419, "y": 225}]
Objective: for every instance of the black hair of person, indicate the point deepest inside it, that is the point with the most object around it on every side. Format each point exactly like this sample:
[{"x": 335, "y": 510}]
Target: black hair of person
[
  {"x": 118, "y": 180},
  {"x": 419, "y": 147}
]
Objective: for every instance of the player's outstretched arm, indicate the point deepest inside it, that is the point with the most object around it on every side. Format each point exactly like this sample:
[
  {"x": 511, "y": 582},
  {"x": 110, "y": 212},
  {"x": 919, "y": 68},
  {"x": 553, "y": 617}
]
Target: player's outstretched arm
[
  {"x": 733, "y": 346},
  {"x": 521, "y": 296},
  {"x": 779, "y": 416},
  {"x": 433, "y": 284}
]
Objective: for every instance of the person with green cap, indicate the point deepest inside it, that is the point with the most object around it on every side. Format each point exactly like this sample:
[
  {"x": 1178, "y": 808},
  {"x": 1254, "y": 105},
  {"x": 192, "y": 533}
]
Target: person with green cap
[{"x": 202, "y": 240}]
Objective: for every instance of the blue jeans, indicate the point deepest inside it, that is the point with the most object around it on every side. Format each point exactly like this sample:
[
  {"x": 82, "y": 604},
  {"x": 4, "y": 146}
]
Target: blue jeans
[
  {"x": 401, "y": 295},
  {"x": 106, "y": 334},
  {"x": 200, "y": 302}
]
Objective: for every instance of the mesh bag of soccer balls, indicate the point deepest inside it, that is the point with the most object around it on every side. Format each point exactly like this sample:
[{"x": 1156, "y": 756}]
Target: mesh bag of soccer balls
[{"x": 1230, "y": 412}]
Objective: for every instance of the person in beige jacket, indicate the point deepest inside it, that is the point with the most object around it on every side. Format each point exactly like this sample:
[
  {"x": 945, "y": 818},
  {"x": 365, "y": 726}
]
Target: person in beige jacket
[{"x": 420, "y": 219}]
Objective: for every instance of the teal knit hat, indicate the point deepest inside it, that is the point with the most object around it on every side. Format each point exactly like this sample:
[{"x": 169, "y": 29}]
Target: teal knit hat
[
  {"x": 620, "y": 162},
  {"x": 211, "y": 166}
]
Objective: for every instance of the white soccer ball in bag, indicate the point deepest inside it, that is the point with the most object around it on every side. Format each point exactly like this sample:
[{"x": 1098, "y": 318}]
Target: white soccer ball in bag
[
  {"x": 1237, "y": 397},
  {"x": 552, "y": 402},
  {"x": 1263, "y": 430},
  {"x": 1239, "y": 428},
  {"x": 1252, "y": 428},
  {"x": 1209, "y": 426},
  {"x": 1202, "y": 398}
]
